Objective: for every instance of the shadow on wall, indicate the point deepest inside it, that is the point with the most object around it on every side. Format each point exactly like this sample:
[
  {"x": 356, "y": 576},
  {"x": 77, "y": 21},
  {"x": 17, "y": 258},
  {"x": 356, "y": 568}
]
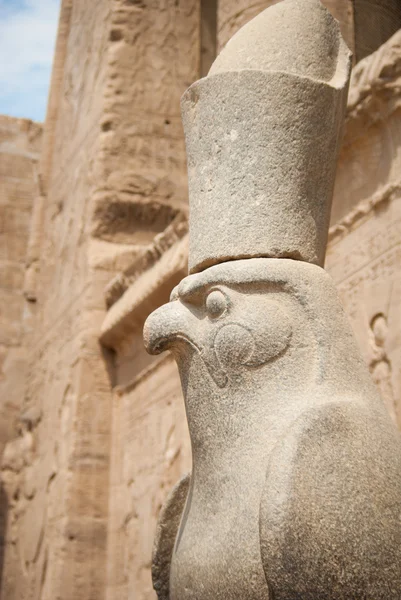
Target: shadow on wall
[
  {"x": 3, "y": 526},
  {"x": 375, "y": 22}
]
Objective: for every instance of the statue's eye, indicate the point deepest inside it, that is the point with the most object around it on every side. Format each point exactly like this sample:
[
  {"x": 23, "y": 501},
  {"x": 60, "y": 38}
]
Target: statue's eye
[{"x": 216, "y": 304}]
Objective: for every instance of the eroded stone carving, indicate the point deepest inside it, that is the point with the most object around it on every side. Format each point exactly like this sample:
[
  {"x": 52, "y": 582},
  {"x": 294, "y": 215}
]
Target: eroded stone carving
[{"x": 295, "y": 490}]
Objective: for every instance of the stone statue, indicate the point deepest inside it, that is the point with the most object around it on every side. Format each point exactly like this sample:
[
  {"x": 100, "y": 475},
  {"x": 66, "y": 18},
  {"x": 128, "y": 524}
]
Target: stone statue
[{"x": 295, "y": 492}]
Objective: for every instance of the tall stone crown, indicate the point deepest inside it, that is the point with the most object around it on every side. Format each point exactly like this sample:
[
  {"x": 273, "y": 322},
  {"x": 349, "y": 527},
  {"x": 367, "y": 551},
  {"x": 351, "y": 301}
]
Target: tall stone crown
[{"x": 262, "y": 133}]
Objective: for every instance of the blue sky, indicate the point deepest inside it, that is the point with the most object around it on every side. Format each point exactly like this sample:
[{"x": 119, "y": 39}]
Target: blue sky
[{"x": 27, "y": 38}]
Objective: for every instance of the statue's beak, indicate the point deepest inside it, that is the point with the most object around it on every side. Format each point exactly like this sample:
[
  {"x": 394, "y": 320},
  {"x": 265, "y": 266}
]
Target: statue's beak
[
  {"x": 174, "y": 323},
  {"x": 168, "y": 324}
]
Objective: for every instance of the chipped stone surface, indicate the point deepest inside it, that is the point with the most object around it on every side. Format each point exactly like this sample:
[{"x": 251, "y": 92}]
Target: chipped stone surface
[
  {"x": 20, "y": 145},
  {"x": 370, "y": 158}
]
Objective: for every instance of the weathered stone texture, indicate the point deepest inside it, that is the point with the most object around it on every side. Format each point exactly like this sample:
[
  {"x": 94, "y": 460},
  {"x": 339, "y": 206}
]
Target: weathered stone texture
[
  {"x": 142, "y": 144},
  {"x": 20, "y": 144},
  {"x": 233, "y": 14},
  {"x": 242, "y": 200},
  {"x": 364, "y": 259},
  {"x": 370, "y": 156},
  {"x": 363, "y": 255},
  {"x": 64, "y": 433},
  {"x": 151, "y": 454}
]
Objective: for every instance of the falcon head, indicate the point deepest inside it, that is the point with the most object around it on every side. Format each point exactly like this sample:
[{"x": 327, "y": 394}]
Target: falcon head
[
  {"x": 231, "y": 324},
  {"x": 269, "y": 322}
]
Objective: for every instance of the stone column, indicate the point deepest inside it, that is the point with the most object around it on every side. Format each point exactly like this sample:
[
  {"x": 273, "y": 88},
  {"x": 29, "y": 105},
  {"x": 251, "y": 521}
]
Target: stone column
[{"x": 295, "y": 490}]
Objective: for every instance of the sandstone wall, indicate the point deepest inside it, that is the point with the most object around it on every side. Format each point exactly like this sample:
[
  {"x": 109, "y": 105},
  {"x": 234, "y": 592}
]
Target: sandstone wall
[
  {"x": 375, "y": 22},
  {"x": 150, "y": 447},
  {"x": 160, "y": 52},
  {"x": 370, "y": 155},
  {"x": 56, "y": 471},
  {"x": 20, "y": 143}
]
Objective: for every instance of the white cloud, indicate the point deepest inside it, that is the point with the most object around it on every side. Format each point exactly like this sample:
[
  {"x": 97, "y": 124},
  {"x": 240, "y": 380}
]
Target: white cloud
[{"x": 27, "y": 37}]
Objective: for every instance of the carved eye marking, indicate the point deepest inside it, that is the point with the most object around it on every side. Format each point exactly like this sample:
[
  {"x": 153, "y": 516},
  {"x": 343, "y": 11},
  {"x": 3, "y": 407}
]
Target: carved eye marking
[
  {"x": 216, "y": 304},
  {"x": 263, "y": 338},
  {"x": 234, "y": 345}
]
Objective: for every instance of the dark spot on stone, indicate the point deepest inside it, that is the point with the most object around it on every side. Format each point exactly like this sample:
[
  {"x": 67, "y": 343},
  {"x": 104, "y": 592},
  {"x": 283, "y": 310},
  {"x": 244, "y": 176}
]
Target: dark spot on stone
[
  {"x": 137, "y": 3},
  {"x": 116, "y": 35},
  {"x": 106, "y": 125}
]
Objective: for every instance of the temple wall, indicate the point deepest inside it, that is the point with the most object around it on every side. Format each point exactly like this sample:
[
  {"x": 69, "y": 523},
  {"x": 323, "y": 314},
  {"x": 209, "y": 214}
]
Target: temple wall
[
  {"x": 364, "y": 253},
  {"x": 364, "y": 260},
  {"x": 148, "y": 451},
  {"x": 149, "y": 457},
  {"x": 370, "y": 155},
  {"x": 102, "y": 434},
  {"x": 150, "y": 447},
  {"x": 375, "y": 22},
  {"x": 55, "y": 471},
  {"x": 20, "y": 143}
]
